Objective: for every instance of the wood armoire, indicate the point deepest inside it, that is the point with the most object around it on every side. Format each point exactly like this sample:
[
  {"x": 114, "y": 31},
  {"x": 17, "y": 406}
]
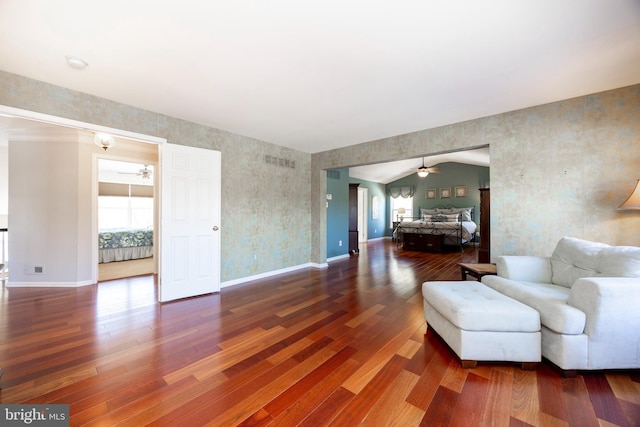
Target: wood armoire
[
  {"x": 484, "y": 250},
  {"x": 353, "y": 219}
]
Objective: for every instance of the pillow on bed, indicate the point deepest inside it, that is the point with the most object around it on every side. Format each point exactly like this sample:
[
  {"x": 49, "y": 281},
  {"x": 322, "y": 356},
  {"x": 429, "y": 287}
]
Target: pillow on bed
[
  {"x": 428, "y": 212},
  {"x": 442, "y": 218},
  {"x": 465, "y": 212}
]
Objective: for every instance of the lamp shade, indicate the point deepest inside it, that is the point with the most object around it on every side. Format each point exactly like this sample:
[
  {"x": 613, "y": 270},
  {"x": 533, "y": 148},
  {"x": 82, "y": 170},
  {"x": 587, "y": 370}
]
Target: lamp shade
[
  {"x": 402, "y": 211},
  {"x": 633, "y": 201}
]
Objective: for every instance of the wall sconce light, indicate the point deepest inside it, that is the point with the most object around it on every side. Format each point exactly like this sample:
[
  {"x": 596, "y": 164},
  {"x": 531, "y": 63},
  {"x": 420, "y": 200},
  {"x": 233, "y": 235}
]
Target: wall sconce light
[
  {"x": 104, "y": 141},
  {"x": 633, "y": 201}
]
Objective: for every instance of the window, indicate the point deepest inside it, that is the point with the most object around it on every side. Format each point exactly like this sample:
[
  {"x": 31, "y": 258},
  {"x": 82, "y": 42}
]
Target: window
[
  {"x": 125, "y": 212},
  {"x": 401, "y": 202}
]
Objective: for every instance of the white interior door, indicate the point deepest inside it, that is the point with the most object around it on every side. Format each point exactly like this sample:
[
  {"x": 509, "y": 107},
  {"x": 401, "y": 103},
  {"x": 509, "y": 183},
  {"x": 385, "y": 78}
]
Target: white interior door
[{"x": 189, "y": 222}]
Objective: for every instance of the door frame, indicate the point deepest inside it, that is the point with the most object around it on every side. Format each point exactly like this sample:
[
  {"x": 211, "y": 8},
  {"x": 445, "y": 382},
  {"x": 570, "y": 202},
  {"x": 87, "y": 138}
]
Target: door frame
[
  {"x": 156, "y": 198},
  {"x": 91, "y": 127},
  {"x": 363, "y": 208}
]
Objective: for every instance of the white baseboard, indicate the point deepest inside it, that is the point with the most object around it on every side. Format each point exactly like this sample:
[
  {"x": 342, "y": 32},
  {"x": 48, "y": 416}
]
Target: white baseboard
[
  {"x": 336, "y": 258},
  {"x": 11, "y": 284},
  {"x": 234, "y": 282}
]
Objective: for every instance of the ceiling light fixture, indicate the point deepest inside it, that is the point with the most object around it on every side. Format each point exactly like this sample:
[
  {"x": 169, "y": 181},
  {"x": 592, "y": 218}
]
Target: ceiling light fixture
[
  {"x": 76, "y": 63},
  {"x": 104, "y": 141},
  {"x": 423, "y": 171}
]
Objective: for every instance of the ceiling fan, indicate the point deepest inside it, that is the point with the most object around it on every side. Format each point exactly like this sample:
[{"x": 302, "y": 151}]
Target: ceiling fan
[
  {"x": 145, "y": 173},
  {"x": 423, "y": 171}
]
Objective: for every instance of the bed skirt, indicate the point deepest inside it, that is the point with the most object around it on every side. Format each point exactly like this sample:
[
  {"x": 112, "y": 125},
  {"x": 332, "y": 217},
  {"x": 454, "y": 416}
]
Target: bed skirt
[{"x": 124, "y": 254}]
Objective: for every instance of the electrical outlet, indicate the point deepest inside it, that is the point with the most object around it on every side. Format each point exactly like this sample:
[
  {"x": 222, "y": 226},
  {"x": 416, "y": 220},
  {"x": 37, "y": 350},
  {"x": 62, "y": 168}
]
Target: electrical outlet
[
  {"x": 255, "y": 257},
  {"x": 339, "y": 242}
]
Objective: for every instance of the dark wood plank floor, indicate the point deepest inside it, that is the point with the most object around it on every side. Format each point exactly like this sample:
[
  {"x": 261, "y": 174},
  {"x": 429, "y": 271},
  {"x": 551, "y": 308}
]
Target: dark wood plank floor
[{"x": 342, "y": 346}]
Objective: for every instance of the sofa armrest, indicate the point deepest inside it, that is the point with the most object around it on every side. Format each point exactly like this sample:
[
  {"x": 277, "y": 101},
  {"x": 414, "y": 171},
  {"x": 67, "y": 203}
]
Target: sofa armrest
[
  {"x": 524, "y": 268},
  {"x": 611, "y": 306}
]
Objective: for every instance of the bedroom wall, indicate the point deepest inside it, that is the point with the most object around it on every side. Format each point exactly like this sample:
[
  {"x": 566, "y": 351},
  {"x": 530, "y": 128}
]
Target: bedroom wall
[
  {"x": 558, "y": 169},
  {"x": 338, "y": 213},
  {"x": 451, "y": 175},
  {"x": 375, "y": 227},
  {"x": 43, "y": 209},
  {"x": 265, "y": 207}
]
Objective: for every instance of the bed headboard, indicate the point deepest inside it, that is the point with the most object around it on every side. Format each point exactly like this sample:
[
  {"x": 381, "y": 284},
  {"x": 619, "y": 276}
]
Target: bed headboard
[{"x": 449, "y": 208}]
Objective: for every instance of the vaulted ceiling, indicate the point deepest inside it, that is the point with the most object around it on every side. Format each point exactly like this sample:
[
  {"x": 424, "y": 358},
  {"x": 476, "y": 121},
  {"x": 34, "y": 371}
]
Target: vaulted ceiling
[{"x": 318, "y": 75}]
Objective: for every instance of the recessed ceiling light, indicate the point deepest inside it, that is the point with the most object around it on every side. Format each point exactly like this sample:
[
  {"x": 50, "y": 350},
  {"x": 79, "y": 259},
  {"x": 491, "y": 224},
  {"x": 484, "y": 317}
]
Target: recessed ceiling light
[{"x": 76, "y": 63}]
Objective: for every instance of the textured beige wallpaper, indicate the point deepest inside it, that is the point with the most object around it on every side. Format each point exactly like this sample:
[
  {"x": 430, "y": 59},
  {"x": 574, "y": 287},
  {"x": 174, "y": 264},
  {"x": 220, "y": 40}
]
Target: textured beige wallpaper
[
  {"x": 266, "y": 222},
  {"x": 557, "y": 169}
]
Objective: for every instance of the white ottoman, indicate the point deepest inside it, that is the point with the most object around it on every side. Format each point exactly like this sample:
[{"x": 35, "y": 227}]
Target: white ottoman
[{"x": 479, "y": 323}]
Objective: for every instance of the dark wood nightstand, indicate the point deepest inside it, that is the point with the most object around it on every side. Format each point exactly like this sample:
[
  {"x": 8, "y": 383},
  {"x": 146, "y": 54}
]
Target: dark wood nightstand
[{"x": 476, "y": 270}]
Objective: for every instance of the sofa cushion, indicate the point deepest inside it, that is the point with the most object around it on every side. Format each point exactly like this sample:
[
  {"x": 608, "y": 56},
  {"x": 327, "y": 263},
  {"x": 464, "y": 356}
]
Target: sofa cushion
[
  {"x": 548, "y": 299},
  {"x": 471, "y": 306},
  {"x": 525, "y": 268},
  {"x": 573, "y": 259},
  {"x": 619, "y": 261}
]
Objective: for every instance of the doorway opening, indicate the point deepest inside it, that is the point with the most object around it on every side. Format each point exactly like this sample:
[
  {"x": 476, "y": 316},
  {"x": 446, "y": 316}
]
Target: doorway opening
[{"x": 126, "y": 218}]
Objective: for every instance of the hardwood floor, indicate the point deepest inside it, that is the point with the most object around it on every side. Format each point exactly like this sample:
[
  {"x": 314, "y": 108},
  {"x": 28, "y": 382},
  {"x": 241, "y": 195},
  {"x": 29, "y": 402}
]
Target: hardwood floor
[
  {"x": 342, "y": 346},
  {"x": 120, "y": 269}
]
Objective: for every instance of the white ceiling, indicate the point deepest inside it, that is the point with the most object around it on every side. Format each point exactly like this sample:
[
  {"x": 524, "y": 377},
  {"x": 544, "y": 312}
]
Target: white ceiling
[
  {"x": 124, "y": 172},
  {"x": 391, "y": 171},
  {"x": 318, "y": 75}
]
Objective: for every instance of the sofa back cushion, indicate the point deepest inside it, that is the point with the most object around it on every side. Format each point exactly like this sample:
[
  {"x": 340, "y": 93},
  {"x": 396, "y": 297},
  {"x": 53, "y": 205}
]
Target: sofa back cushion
[
  {"x": 574, "y": 258},
  {"x": 619, "y": 261}
]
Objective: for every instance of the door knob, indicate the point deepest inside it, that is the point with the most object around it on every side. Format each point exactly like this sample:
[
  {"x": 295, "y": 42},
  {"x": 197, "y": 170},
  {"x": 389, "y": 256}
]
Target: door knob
[{"x": 215, "y": 228}]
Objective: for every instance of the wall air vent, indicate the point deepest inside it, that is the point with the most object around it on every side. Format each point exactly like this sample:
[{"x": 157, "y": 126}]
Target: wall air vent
[
  {"x": 333, "y": 174},
  {"x": 279, "y": 161}
]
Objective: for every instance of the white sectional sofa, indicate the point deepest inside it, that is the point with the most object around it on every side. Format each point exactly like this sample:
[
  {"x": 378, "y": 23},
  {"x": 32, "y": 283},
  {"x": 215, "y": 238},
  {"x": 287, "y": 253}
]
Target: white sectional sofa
[{"x": 588, "y": 298}]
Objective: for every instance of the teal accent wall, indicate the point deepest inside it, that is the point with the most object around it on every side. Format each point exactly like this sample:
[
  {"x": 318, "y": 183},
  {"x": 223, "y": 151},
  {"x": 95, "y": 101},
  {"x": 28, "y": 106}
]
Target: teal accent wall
[
  {"x": 375, "y": 227},
  {"x": 338, "y": 210},
  {"x": 451, "y": 175},
  {"x": 338, "y": 213}
]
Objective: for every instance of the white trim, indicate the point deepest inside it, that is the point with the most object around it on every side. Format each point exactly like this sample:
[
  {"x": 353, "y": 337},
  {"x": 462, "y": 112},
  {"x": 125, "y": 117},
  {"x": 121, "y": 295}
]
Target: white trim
[
  {"x": 363, "y": 215},
  {"x": 234, "y": 282},
  {"x": 61, "y": 121},
  {"x": 379, "y": 238},
  {"x": 49, "y": 284},
  {"x": 339, "y": 257}
]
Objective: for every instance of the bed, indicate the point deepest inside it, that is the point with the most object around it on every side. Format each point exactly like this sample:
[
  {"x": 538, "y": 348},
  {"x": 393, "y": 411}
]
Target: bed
[
  {"x": 124, "y": 245},
  {"x": 438, "y": 228}
]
